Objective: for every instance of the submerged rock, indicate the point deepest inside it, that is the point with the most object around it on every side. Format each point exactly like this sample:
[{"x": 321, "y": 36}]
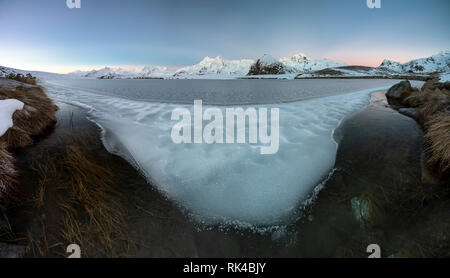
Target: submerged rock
[
  {"x": 11, "y": 251},
  {"x": 410, "y": 112},
  {"x": 362, "y": 211}
]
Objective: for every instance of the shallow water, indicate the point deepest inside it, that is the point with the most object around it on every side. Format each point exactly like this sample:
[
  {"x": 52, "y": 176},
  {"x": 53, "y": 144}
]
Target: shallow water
[{"x": 224, "y": 183}]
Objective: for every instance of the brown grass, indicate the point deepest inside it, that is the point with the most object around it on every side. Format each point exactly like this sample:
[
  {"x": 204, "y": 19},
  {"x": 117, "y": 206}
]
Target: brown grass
[
  {"x": 438, "y": 102},
  {"x": 7, "y": 174},
  {"x": 433, "y": 103},
  {"x": 37, "y": 115},
  {"x": 414, "y": 97},
  {"x": 89, "y": 205},
  {"x": 437, "y": 138}
]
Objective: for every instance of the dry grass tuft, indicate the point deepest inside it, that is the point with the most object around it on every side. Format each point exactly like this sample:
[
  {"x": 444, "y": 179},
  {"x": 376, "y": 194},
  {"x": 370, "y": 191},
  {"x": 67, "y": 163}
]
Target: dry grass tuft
[
  {"x": 438, "y": 103},
  {"x": 7, "y": 174},
  {"x": 415, "y": 98},
  {"x": 37, "y": 115},
  {"x": 437, "y": 138},
  {"x": 89, "y": 205},
  {"x": 433, "y": 114}
]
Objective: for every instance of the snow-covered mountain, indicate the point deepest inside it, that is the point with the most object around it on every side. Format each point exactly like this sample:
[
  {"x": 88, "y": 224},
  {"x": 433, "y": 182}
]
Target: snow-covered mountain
[
  {"x": 268, "y": 65},
  {"x": 218, "y": 66},
  {"x": 303, "y": 64},
  {"x": 118, "y": 72},
  {"x": 437, "y": 63},
  {"x": 4, "y": 71}
]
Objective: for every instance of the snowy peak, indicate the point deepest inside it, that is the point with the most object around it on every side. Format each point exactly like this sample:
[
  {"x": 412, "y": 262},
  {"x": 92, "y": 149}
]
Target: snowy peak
[
  {"x": 129, "y": 72},
  {"x": 267, "y": 60},
  {"x": 391, "y": 65},
  {"x": 216, "y": 65},
  {"x": 436, "y": 63},
  {"x": 207, "y": 60},
  {"x": 301, "y": 63},
  {"x": 295, "y": 59},
  {"x": 4, "y": 71}
]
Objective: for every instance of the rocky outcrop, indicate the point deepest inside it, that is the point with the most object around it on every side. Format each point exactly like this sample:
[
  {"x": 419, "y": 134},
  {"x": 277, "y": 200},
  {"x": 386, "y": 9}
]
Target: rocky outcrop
[
  {"x": 430, "y": 106},
  {"x": 268, "y": 65}
]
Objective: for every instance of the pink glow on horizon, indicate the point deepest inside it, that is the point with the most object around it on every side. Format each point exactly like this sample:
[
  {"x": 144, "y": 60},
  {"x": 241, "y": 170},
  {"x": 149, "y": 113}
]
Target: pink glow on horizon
[{"x": 375, "y": 58}]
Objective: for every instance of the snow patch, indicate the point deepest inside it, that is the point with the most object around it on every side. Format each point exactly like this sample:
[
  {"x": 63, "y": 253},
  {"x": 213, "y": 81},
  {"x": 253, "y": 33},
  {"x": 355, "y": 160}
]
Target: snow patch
[
  {"x": 7, "y": 109},
  {"x": 445, "y": 77}
]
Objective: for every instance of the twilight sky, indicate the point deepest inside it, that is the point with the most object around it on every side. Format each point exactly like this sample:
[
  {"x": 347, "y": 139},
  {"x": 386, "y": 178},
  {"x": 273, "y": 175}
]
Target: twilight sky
[{"x": 46, "y": 35}]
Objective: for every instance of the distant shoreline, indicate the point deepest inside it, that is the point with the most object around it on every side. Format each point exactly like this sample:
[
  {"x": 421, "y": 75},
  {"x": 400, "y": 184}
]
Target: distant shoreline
[{"x": 408, "y": 77}]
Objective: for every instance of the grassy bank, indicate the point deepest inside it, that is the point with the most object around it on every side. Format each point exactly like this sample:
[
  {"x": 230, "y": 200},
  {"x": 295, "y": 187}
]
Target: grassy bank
[
  {"x": 430, "y": 107},
  {"x": 37, "y": 116}
]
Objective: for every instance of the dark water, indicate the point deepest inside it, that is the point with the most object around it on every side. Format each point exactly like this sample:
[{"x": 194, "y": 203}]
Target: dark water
[{"x": 220, "y": 92}]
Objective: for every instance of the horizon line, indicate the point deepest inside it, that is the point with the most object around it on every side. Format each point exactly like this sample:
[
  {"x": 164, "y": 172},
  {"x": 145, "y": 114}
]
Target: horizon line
[{"x": 73, "y": 68}]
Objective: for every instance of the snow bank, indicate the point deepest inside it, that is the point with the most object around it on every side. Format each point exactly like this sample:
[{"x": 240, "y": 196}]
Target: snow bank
[{"x": 7, "y": 109}]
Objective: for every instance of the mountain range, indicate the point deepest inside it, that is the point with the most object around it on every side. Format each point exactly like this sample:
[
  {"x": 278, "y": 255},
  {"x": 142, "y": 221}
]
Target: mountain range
[{"x": 297, "y": 64}]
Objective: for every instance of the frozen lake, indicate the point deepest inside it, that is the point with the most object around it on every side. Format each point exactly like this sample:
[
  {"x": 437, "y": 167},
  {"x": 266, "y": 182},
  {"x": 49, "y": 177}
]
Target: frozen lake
[
  {"x": 222, "y": 92},
  {"x": 231, "y": 184}
]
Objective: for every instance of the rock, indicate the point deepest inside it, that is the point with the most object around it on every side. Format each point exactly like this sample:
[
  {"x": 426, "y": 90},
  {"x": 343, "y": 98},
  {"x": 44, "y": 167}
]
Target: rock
[
  {"x": 267, "y": 65},
  {"x": 10, "y": 251},
  {"x": 362, "y": 211},
  {"x": 398, "y": 89},
  {"x": 410, "y": 112}
]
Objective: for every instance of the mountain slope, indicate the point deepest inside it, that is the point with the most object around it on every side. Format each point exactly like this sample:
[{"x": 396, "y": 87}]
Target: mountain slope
[
  {"x": 268, "y": 65},
  {"x": 437, "y": 63},
  {"x": 216, "y": 66},
  {"x": 302, "y": 64},
  {"x": 130, "y": 72}
]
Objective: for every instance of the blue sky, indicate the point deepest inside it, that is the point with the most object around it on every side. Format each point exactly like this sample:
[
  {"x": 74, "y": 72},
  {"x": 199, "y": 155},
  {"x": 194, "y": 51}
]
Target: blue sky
[{"x": 46, "y": 35}]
